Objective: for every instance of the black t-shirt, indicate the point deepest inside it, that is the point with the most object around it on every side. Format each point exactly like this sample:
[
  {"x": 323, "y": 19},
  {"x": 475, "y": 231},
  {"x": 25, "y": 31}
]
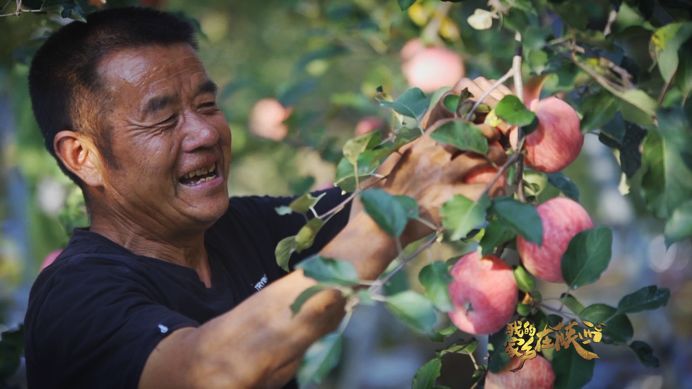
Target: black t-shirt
[{"x": 96, "y": 314}]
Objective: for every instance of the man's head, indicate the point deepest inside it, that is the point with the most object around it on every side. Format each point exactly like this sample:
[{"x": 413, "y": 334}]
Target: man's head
[
  {"x": 66, "y": 92},
  {"x": 126, "y": 107}
]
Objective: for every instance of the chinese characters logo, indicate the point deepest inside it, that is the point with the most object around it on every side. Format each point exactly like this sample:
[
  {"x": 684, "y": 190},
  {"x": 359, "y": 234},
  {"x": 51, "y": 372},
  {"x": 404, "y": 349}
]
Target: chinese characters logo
[{"x": 524, "y": 341}]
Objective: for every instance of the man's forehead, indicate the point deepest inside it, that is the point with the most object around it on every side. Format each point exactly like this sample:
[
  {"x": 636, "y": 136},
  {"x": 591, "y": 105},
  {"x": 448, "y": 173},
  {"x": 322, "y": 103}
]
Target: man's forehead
[{"x": 150, "y": 66}]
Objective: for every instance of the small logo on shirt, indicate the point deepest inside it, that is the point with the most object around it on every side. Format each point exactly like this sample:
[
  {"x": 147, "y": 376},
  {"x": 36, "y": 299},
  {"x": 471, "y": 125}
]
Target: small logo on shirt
[
  {"x": 163, "y": 328},
  {"x": 261, "y": 283}
]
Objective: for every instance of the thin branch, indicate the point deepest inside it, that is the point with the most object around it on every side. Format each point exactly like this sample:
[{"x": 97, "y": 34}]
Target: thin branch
[
  {"x": 612, "y": 16},
  {"x": 519, "y": 90},
  {"x": 342, "y": 204},
  {"x": 511, "y": 160},
  {"x": 551, "y": 309},
  {"x": 427, "y": 223},
  {"x": 516, "y": 67},
  {"x": 487, "y": 93},
  {"x": 404, "y": 261}
]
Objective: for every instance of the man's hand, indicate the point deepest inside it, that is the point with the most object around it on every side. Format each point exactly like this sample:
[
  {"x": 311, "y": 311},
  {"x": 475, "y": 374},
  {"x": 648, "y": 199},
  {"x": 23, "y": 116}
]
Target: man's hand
[{"x": 433, "y": 173}]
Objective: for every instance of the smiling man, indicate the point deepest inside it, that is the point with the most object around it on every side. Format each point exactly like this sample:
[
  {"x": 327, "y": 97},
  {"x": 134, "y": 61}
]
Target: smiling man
[{"x": 172, "y": 284}]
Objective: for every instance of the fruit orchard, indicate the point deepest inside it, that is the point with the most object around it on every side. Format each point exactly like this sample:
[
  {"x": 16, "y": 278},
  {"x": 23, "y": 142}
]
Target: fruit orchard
[{"x": 323, "y": 93}]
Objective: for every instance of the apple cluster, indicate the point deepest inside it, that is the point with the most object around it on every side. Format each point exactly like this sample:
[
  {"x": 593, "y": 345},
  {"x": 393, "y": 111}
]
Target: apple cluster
[{"x": 483, "y": 289}]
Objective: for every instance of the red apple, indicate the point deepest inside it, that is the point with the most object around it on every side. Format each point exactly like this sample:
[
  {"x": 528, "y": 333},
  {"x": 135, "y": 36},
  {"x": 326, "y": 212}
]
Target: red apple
[
  {"x": 537, "y": 373},
  {"x": 557, "y": 140},
  {"x": 369, "y": 124},
  {"x": 430, "y": 68},
  {"x": 562, "y": 219},
  {"x": 483, "y": 292},
  {"x": 267, "y": 117},
  {"x": 50, "y": 258}
]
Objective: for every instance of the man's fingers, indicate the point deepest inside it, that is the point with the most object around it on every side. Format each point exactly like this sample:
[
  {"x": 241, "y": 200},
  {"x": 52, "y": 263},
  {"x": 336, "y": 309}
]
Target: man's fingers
[{"x": 460, "y": 166}]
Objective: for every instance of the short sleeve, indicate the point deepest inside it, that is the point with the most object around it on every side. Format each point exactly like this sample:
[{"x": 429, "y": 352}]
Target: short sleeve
[{"x": 91, "y": 324}]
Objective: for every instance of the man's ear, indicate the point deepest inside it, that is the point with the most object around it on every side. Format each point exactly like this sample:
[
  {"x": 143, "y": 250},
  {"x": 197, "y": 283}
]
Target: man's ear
[{"x": 79, "y": 154}]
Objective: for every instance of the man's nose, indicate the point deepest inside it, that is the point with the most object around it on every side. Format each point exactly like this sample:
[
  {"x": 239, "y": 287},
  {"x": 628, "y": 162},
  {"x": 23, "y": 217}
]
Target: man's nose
[{"x": 199, "y": 133}]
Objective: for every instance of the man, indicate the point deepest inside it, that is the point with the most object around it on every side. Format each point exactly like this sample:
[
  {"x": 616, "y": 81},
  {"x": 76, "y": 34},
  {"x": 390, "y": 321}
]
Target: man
[{"x": 172, "y": 285}]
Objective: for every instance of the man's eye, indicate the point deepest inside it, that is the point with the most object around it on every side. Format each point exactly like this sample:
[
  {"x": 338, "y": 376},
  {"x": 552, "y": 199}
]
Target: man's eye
[
  {"x": 209, "y": 105},
  {"x": 169, "y": 120}
]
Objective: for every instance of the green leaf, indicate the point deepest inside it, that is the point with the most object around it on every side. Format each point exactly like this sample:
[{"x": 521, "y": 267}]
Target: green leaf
[
  {"x": 427, "y": 374},
  {"x": 571, "y": 303},
  {"x": 283, "y": 251},
  {"x": 412, "y": 103},
  {"x": 306, "y": 235},
  {"x": 320, "y": 359},
  {"x": 564, "y": 184},
  {"x": 435, "y": 279},
  {"x": 414, "y": 310},
  {"x": 667, "y": 160},
  {"x": 664, "y": 46},
  {"x": 496, "y": 233},
  {"x": 630, "y": 154},
  {"x": 587, "y": 256},
  {"x": 522, "y": 217},
  {"x": 302, "y": 204},
  {"x": 391, "y": 213},
  {"x": 645, "y": 354},
  {"x": 498, "y": 357},
  {"x": 467, "y": 348},
  {"x": 368, "y": 162},
  {"x": 679, "y": 226},
  {"x": 405, "y": 4},
  {"x": 513, "y": 111},
  {"x": 618, "y": 327},
  {"x": 597, "y": 110},
  {"x": 462, "y": 135},
  {"x": 523, "y": 309},
  {"x": 450, "y": 102},
  {"x": 460, "y": 215},
  {"x": 525, "y": 281},
  {"x": 330, "y": 271},
  {"x": 305, "y": 296},
  {"x": 646, "y": 298},
  {"x": 354, "y": 147},
  {"x": 571, "y": 370}
]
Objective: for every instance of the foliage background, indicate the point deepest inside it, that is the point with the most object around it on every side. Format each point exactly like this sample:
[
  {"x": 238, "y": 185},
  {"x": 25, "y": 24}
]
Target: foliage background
[{"x": 326, "y": 59}]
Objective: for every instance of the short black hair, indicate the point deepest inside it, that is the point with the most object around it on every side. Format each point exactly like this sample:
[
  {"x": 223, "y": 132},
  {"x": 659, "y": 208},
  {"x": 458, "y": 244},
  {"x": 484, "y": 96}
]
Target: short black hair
[{"x": 63, "y": 74}]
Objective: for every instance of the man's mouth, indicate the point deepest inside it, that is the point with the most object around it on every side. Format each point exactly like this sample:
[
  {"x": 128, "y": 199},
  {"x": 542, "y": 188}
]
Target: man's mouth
[{"x": 200, "y": 176}]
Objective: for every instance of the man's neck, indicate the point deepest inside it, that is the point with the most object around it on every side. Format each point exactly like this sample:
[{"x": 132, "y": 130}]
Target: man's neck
[{"x": 188, "y": 250}]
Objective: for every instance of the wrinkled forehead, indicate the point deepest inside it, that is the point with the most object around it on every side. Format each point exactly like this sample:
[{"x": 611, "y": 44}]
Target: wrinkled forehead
[{"x": 148, "y": 69}]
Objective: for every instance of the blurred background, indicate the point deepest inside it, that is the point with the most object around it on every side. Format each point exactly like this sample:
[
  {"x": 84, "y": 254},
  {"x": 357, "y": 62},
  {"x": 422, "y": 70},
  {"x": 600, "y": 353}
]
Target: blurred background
[{"x": 298, "y": 78}]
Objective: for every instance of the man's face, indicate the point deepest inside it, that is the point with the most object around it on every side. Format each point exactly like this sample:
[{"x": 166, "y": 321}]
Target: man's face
[{"x": 170, "y": 141}]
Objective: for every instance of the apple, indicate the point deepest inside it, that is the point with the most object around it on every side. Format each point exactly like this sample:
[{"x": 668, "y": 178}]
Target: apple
[
  {"x": 562, "y": 218},
  {"x": 557, "y": 140},
  {"x": 430, "y": 68},
  {"x": 537, "y": 373},
  {"x": 50, "y": 258},
  {"x": 483, "y": 293},
  {"x": 267, "y": 119},
  {"x": 369, "y": 124}
]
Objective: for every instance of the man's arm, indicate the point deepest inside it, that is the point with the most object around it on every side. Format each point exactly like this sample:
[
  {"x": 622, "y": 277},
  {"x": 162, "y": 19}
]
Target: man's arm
[{"x": 260, "y": 342}]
